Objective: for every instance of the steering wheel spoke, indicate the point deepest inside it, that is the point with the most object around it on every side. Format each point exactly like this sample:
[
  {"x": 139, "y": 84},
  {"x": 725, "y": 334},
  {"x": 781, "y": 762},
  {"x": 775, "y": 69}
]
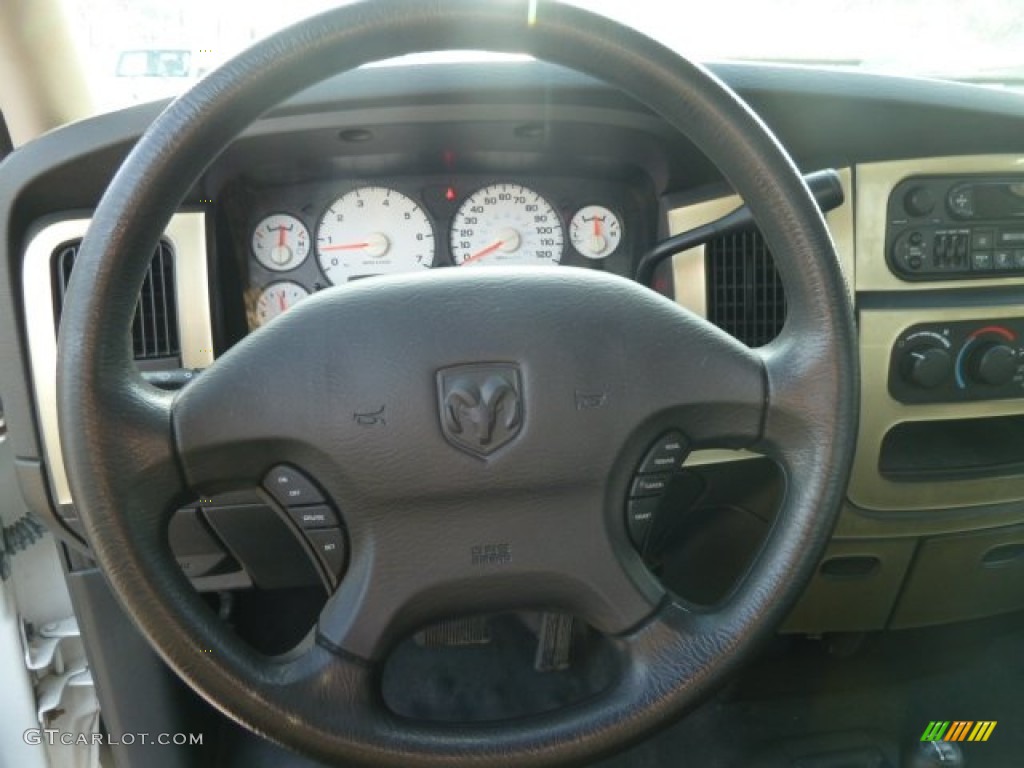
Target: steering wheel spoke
[{"x": 416, "y": 564}]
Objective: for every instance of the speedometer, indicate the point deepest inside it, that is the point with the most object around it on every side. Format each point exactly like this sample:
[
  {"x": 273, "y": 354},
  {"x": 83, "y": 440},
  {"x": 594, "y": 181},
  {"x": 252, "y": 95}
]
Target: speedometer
[
  {"x": 373, "y": 231},
  {"x": 506, "y": 224}
]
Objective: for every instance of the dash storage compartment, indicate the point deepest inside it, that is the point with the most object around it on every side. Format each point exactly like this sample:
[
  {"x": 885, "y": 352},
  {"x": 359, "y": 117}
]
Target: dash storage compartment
[{"x": 965, "y": 576}]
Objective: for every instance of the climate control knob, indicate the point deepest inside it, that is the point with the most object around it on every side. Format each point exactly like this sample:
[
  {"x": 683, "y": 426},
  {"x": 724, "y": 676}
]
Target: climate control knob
[
  {"x": 926, "y": 367},
  {"x": 993, "y": 364}
]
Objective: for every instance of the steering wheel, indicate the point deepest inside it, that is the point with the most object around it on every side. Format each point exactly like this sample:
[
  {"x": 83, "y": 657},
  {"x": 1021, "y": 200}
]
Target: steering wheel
[{"x": 416, "y": 510}]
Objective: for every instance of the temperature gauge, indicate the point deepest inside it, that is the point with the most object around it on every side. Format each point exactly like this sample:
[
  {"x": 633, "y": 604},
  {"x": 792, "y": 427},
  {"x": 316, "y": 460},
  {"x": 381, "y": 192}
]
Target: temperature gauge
[
  {"x": 595, "y": 231},
  {"x": 280, "y": 242},
  {"x": 277, "y": 298}
]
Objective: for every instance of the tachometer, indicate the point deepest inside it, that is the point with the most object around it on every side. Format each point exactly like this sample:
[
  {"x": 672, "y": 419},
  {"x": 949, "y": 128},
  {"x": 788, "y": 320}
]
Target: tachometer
[
  {"x": 373, "y": 231},
  {"x": 506, "y": 224}
]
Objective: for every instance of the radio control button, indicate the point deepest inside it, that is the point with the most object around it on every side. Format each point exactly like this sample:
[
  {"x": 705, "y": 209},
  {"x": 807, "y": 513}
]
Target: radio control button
[
  {"x": 666, "y": 455},
  {"x": 981, "y": 261},
  {"x": 1018, "y": 259},
  {"x": 982, "y": 239},
  {"x": 1011, "y": 237},
  {"x": 919, "y": 201},
  {"x": 960, "y": 251},
  {"x": 1002, "y": 260},
  {"x": 961, "y": 202}
]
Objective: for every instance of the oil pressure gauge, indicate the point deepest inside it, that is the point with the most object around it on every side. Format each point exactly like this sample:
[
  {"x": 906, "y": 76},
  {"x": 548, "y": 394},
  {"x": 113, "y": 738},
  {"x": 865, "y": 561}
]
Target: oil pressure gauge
[
  {"x": 595, "y": 232},
  {"x": 280, "y": 242}
]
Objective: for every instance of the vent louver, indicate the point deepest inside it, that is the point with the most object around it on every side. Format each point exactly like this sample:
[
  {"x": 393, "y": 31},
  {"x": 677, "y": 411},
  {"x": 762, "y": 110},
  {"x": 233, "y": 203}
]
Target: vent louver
[
  {"x": 155, "y": 328},
  {"x": 745, "y": 295}
]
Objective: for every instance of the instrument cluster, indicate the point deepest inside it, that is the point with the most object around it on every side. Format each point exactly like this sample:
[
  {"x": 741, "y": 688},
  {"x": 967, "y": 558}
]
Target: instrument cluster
[{"x": 304, "y": 238}]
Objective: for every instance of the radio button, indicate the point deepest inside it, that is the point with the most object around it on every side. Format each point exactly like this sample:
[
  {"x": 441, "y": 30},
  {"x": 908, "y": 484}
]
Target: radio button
[
  {"x": 982, "y": 239},
  {"x": 1018, "y": 259},
  {"x": 961, "y": 202},
  {"x": 960, "y": 251},
  {"x": 981, "y": 261},
  {"x": 1012, "y": 237},
  {"x": 1002, "y": 260}
]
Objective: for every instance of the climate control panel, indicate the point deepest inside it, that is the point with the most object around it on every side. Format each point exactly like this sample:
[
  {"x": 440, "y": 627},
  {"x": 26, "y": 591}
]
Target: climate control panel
[{"x": 958, "y": 361}]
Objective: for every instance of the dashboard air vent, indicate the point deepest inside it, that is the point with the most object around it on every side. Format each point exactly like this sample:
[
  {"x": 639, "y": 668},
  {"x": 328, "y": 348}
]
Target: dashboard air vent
[
  {"x": 155, "y": 329},
  {"x": 745, "y": 296}
]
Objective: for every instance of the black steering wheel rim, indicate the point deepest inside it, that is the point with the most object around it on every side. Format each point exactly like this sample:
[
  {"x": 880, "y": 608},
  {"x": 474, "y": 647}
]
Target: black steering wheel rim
[{"x": 131, "y": 451}]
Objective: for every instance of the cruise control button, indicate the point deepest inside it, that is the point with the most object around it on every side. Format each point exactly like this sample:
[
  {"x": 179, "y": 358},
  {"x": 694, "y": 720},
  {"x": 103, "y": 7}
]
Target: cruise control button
[
  {"x": 665, "y": 455},
  {"x": 291, "y": 487},
  {"x": 330, "y": 548},
  {"x": 639, "y": 518},
  {"x": 314, "y": 517},
  {"x": 649, "y": 485}
]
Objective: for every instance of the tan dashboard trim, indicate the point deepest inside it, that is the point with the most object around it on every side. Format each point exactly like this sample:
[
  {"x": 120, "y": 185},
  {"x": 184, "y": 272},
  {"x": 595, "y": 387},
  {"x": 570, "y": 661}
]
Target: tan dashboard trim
[
  {"x": 875, "y": 182},
  {"x": 690, "y": 278},
  {"x": 879, "y": 331},
  {"x": 187, "y": 235}
]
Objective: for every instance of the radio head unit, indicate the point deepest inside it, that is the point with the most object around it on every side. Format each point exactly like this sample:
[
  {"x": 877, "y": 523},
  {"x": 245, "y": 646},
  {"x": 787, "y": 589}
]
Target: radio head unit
[{"x": 955, "y": 227}]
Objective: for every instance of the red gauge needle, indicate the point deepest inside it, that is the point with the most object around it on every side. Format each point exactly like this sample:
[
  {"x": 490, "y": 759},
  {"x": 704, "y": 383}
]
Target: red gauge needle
[
  {"x": 282, "y": 233},
  {"x": 480, "y": 254},
  {"x": 280, "y": 301},
  {"x": 597, "y": 227},
  {"x": 345, "y": 247}
]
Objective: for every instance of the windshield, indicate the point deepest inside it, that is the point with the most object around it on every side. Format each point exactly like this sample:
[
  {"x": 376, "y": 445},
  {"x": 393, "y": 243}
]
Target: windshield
[{"x": 147, "y": 49}]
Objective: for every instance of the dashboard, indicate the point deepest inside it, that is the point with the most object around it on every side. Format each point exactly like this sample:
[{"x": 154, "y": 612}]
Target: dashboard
[
  {"x": 469, "y": 166},
  {"x": 302, "y": 238}
]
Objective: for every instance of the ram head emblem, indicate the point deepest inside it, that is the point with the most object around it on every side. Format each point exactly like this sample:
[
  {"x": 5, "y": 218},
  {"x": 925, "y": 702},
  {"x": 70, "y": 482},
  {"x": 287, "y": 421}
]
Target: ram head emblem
[{"x": 481, "y": 406}]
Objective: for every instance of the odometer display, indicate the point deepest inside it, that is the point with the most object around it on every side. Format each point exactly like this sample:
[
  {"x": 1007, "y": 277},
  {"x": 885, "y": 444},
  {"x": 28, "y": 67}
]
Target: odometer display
[{"x": 506, "y": 224}]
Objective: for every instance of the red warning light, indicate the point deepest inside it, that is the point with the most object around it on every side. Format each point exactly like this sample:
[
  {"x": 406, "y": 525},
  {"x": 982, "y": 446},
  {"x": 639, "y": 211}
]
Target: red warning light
[{"x": 449, "y": 194}]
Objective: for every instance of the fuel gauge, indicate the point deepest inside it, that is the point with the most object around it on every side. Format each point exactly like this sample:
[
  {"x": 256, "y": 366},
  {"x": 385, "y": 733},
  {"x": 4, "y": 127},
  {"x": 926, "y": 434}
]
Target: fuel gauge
[
  {"x": 278, "y": 298},
  {"x": 595, "y": 231},
  {"x": 280, "y": 242}
]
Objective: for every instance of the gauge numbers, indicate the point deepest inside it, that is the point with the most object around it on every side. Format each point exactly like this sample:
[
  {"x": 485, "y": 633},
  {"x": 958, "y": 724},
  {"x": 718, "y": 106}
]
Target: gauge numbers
[
  {"x": 280, "y": 242},
  {"x": 278, "y": 298},
  {"x": 595, "y": 232},
  {"x": 373, "y": 231},
  {"x": 506, "y": 224}
]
